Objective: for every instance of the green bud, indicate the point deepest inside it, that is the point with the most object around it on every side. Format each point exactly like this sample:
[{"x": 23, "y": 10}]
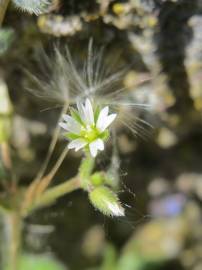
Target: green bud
[
  {"x": 106, "y": 201},
  {"x": 97, "y": 179}
]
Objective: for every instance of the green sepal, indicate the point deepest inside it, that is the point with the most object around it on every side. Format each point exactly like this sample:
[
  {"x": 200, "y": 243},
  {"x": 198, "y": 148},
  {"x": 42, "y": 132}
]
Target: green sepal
[
  {"x": 104, "y": 135},
  {"x": 71, "y": 136},
  {"x": 74, "y": 113},
  {"x": 96, "y": 114}
]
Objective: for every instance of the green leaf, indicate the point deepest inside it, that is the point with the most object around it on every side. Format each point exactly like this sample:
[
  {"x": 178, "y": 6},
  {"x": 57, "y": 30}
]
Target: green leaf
[
  {"x": 39, "y": 262},
  {"x": 110, "y": 259},
  {"x": 131, "y": 261}
]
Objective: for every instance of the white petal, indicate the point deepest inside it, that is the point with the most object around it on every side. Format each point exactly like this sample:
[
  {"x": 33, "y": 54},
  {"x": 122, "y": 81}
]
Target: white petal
[
  {"x": 69, "y": 119},
  {"x": 77, "y": 144},
  {"x": 101, "y": 118},
  {"x": 95, "y": 146},
  {"x": 63, "y": 125},
  {"x": 71, "y": 124},
  {"x": 108, "y": 120},
  {"x": 93, "y": 149},
  {"x": 89, "y": 115},
  {"x": 100, "y": 144},
  {"x": 80, "y": 108}
]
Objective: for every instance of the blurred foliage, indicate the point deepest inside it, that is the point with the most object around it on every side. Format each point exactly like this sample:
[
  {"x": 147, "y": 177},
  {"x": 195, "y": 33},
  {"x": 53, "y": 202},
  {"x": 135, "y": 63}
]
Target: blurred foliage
[
  {"x": 6, "y": 39},
  {"x": 40, "y": 262}
]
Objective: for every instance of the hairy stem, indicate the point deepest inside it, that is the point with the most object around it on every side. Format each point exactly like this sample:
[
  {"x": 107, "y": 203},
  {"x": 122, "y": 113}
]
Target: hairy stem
[
  {"x": 46, "y": 180},
  {"x": 52, "y": 146},
  {"x": 46, "y": 196},
  {"x": 11, "y": 240},
  {"x": 52, "y": 194},
  {"x": 5, "y": 154},
  {"x": 85, "y": 170},
  {"x": 7, "y": 162},
  {"x": 3, "y": 7},
  {"x": 40, "y": 183}
]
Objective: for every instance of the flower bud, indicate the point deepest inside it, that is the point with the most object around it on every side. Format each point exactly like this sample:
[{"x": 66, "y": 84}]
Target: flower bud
[
  {"x": 97, "y": 179},
  {"x": 106, "y": 201}
]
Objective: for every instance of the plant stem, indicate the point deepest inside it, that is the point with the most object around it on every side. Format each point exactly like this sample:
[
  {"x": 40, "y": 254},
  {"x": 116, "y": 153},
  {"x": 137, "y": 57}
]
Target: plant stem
[
  {"x": 46, "y": 180},
  {"x": 7, "y": 162},
  {"x": 51, "y": 146},
  {"x": 85, "y": 170},
  {"x": 3, "y": 7},
  {"x": 11, "y": 241},
  {"x": 56, "y": 192},
  {"x": 40, "y": 183},
  {"x": 5, "y": 154}
]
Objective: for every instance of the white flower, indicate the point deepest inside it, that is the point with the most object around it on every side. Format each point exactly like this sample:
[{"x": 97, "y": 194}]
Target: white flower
[{"x": 87, "y": 128}]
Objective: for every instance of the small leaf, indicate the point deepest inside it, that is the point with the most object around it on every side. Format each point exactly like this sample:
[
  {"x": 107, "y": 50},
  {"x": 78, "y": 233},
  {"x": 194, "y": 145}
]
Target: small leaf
[{"x": 39, "y": 262}]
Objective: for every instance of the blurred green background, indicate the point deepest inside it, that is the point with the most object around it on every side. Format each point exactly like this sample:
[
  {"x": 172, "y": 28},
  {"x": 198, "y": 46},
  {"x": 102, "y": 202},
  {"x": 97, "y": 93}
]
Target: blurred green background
[{"x": 160, "y": 170}]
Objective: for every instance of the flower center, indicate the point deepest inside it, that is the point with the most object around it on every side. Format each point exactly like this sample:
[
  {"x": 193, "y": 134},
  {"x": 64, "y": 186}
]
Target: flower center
[{"x": 90, "y": 133}]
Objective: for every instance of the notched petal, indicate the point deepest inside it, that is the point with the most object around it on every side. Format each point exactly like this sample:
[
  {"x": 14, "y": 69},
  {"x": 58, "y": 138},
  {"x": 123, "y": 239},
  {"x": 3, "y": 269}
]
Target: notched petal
[
  {"x": 108, "y": 120},
  {"x": 71, "y": 124},
  {"x": 102, "y": 117},
  {"x": 77, "y": 144}
]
